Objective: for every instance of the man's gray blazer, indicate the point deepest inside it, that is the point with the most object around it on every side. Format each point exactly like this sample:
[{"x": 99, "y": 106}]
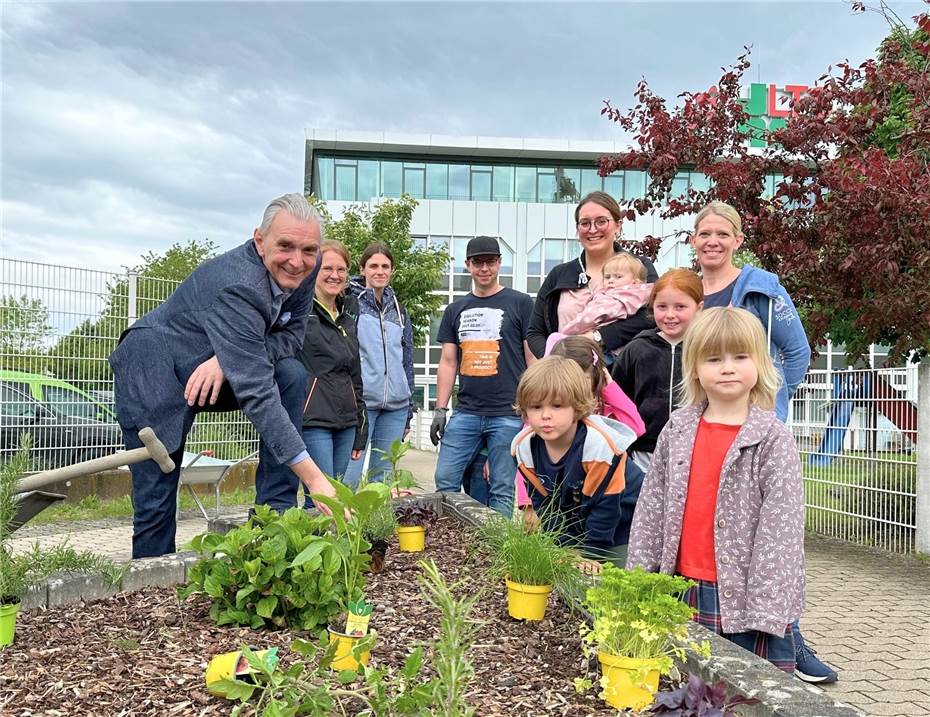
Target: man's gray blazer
[{"x": 223, "y": 309}]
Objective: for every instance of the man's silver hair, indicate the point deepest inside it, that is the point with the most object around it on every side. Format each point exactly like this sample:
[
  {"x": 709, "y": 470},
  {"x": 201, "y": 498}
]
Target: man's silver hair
[{"x": 297, "y": 206}]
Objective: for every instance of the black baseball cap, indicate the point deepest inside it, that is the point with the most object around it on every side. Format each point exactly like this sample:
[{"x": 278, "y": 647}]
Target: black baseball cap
[{"x": 482, "y": 246}]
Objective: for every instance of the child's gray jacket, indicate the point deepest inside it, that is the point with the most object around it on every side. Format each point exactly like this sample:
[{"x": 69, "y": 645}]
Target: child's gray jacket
[{"x": 758, "y": 521}]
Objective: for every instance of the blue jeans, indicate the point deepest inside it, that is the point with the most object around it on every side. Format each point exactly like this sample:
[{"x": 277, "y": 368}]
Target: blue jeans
[
  {"x": 330, "y": 449},
  {"x": 384, "y": 427},
  {"x": 473, "y": 481},
  {"x": 465, "y": 435},
  {"x": 154, "y": 494}
]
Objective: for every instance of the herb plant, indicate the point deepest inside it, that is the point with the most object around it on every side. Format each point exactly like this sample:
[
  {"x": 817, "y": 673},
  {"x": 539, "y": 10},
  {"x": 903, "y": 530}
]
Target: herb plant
[
  {"x": 314, "y": 690},
  {"x": 640, "y": 614},
  {"x": 698, "y": 699},
  {"x": 535, "y": 558},
  {"x": 398, "y": 478}
]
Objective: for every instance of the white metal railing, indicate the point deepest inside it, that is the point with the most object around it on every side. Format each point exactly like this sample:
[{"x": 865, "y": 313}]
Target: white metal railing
[
  {"x": 857, "y": 434},
  {"x": 58, "y": 325}
]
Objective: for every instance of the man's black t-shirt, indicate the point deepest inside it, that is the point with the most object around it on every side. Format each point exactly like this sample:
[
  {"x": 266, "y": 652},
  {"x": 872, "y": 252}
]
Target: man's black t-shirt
[{"x": 489, "y": 332}]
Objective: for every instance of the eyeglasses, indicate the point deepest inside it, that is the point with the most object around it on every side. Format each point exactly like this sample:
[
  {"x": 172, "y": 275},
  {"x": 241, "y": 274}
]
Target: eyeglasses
[
  {"x": 599, "y": 223},
  {"x": 479, "y": 263},
  {"x": 333, "y": 270}
]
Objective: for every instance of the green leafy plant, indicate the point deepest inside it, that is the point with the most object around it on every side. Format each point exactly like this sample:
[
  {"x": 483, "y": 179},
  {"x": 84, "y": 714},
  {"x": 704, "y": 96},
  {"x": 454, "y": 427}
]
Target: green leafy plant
[
  {"x": 295, "y": 569},
  {"x": 398, "y": 478},
  {"x": 640, "y": 614},
  {"x": 277, "y": 570},
  {"x": 381, "y": 524},
  {"x": 531, "y": 558},
  {"x": 309, "y": 687}
]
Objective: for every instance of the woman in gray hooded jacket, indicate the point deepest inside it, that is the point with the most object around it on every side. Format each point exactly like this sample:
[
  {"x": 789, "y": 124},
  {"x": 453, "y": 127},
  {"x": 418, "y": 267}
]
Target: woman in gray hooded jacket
[{"x": 385, "y": 339}]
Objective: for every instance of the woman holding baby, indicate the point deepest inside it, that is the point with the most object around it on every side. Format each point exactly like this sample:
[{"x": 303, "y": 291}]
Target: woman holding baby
[{"x": 570, "y": 287}]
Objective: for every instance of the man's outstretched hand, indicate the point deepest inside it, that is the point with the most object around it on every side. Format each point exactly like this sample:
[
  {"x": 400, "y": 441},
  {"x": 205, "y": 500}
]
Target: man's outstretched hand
[{"x": 205, "y": 383}]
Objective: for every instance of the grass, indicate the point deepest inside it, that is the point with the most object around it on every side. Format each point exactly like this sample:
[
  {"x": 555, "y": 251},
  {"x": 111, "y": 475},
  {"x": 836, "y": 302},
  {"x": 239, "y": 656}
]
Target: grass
[{"x": 92, "y": 507}]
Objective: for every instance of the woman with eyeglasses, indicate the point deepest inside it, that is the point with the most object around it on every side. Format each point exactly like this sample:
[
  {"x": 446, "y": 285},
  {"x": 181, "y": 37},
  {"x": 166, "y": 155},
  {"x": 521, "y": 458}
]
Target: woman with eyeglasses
[
  {"x": 569, "y": 287},
  {"x": 335, "y": 425},
  {"x": 385, "y": 337}
]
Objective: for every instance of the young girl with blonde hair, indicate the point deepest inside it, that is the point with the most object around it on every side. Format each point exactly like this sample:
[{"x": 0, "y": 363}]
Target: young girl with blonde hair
[{"x": 733, "y": 520}]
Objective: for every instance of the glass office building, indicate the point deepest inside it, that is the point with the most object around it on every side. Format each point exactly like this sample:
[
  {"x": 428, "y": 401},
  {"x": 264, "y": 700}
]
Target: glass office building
[{"x": 523, "y": 191}]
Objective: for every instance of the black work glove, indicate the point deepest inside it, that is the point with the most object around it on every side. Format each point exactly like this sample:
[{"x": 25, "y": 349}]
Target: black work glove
[{"x": 438, "y": 426}]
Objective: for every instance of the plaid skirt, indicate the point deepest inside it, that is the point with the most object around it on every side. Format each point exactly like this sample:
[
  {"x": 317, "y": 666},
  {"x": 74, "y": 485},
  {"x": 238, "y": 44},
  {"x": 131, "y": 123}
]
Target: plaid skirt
[{"x": 777, "y": 650}]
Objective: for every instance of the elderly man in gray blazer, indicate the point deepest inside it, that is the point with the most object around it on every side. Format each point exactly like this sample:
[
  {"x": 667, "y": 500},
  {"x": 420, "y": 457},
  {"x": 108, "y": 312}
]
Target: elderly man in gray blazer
[{"x": 227, "y": 338}]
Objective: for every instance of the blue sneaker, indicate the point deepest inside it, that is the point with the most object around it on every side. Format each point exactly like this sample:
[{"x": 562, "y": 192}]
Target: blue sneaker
[{"x": 809, "y": 668}]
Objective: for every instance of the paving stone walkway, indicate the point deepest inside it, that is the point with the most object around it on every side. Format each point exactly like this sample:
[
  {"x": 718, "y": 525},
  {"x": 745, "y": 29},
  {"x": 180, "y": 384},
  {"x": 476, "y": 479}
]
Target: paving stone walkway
[{"x": 868, "y": 612}]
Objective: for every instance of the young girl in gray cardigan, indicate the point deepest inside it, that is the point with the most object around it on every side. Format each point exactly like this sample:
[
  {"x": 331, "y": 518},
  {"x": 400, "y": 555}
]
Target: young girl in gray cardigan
[{"x": 732, "y": 519}]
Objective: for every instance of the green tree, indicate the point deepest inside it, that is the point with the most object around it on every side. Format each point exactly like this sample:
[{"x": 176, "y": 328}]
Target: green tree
[
  {"x": 24, "y": 329},
  {"x": 417, "y": 270},
  {"x": 81, "y": 355}
]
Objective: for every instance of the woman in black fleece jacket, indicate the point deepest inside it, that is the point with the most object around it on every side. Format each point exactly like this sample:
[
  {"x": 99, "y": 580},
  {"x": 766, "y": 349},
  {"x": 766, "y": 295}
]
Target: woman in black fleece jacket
[{"x": 597, "y": 218}]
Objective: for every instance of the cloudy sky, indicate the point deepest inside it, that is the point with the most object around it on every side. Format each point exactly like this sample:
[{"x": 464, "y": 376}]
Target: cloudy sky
[{"x": 129, "y": 126}]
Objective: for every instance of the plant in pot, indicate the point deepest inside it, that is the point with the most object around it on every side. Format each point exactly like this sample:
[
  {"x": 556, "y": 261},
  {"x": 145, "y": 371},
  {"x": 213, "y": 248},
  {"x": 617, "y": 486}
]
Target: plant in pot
[
  {"x": 531, "y": 564},
  {"x": 640, "y": 625},
  {"x": 380, "y": 525},
  {"x": 20, "y": 572},
  {"x": 413, "y": 518},
  {"x": 352, "y": 514}
]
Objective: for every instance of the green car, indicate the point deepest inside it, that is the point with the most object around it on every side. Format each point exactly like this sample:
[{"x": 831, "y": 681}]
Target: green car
[{"x": 61, "y": 396}]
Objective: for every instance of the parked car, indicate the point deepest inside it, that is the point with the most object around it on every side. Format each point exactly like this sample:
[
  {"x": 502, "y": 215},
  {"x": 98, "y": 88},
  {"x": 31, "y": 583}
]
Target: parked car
[
  {"x": 61, "y": 396},
  {"x": 58, "y": 439}
]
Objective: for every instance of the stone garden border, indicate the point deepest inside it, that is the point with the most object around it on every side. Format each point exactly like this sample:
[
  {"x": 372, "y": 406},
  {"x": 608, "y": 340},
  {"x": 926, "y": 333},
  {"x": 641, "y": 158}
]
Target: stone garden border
[{"x": 780, "y": 695}]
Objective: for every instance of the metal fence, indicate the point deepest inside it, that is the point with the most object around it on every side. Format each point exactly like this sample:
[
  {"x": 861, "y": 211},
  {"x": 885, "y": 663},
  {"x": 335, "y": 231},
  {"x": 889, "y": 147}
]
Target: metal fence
[
  {"x": 58, "y": 325},
  {"x": 857, "y": 434},
  {"x": 856, "y": 430}
]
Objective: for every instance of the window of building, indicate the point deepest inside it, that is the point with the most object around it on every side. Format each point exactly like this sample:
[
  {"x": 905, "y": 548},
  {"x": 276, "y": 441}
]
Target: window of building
[
  {"x": 345, "y": 180},
  {"x": 546, "y": 187},
  {"x": 437, "y": 181},
  {"x": 481, "y": 184},
  {"x": 415, "y": 179},
  {"x": 590, "y": 181},
  {"x": 392, "y": 179},
  {"x": 503, "y": 184},
  {"x": 459, "y": 176},
  {"x": 369, "y": 178},
  {"x": 613, "y": 185},
  {"x": 526, "y": 184},
  {"x": 324, "y": 177},
  {"x": 568, "y": 183},
  {"x": 634, "y": 184}
]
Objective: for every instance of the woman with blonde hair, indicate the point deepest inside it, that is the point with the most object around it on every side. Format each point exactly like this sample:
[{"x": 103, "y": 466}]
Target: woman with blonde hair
[{"x": 718, "y": 234}]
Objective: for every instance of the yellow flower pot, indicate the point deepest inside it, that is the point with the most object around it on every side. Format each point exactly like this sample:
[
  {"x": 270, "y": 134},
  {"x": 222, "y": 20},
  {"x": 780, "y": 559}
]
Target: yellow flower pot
[
  {"x": 412, "y": 539},
  {"x": 344, "y": 660},
  {"x": 629, "y": 682},
  {"x": 527, "y": 602},
  {"x": 8, "y": 615},
  {"x": 228, "y": 666}
]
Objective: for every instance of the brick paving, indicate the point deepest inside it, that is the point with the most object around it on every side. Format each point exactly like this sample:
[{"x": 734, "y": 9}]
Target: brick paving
[{"x": 868, "y": 612}]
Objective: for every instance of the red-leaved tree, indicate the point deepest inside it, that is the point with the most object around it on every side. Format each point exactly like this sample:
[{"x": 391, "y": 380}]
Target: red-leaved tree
[{"x": 848, "y": 226}]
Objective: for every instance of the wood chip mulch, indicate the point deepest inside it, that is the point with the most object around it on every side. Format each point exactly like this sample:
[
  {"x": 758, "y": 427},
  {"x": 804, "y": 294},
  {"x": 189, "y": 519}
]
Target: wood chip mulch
[{"x": 144, "y": 654}]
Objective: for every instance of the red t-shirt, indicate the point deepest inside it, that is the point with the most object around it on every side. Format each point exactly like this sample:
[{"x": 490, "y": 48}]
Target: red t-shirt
[{"x": 696, "y": 555}]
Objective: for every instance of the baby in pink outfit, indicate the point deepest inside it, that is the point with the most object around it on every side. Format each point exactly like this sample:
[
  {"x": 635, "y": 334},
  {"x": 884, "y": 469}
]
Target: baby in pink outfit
[{"x": 622, "y": 294}]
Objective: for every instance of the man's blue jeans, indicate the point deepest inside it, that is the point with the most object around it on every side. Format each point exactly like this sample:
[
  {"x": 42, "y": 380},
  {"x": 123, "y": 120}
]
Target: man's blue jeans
[
  {"x": 465, "y": 435},
  {"x": 154, "y": 494},
  {"x": 384, "y": 427}
]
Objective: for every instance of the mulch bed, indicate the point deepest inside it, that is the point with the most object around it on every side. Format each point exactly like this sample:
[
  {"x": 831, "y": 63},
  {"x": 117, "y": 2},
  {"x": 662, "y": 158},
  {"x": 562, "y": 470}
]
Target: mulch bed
[{"x": 145, "y": 653}]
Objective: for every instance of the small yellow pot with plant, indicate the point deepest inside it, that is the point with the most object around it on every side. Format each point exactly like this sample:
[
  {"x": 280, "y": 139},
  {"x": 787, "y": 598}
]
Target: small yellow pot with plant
[
  {"x": 531, "y": 563},
  {"x": 413, "y": 517},
  {"x": 640, "y": 625}
]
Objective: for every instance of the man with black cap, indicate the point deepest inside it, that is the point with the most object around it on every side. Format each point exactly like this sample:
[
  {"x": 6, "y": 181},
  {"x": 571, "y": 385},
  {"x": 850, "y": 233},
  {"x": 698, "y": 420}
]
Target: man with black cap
[{"x": 483, "y": 337}]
